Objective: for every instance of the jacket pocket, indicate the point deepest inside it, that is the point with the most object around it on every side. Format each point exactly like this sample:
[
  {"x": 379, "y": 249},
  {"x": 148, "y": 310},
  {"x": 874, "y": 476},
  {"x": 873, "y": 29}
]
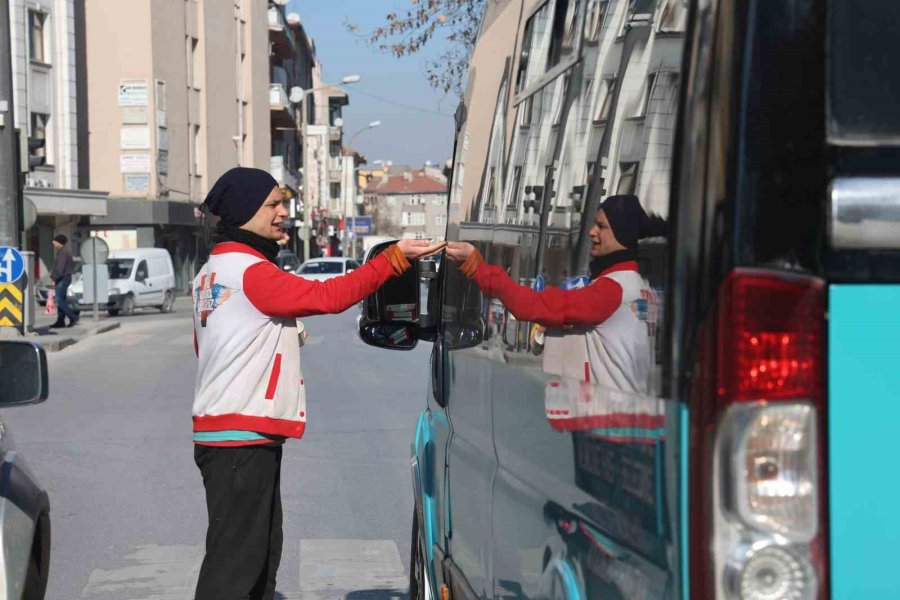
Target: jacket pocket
[{"x": 273, "y": 378}]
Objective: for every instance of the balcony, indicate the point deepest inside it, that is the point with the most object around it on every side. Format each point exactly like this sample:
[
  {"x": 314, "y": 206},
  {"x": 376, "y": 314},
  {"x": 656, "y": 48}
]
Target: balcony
[
  {"x": 282, "y": 174},
  {"x": 280, "y": 34},
  {"x": 280, "y": 109}
]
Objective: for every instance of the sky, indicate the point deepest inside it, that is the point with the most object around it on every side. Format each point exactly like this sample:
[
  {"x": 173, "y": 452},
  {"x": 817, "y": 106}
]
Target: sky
[{"x": 393, "y": 90}]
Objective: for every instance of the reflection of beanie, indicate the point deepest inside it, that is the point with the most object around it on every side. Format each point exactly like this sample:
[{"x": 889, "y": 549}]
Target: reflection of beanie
[
  {"x": 238, "y": 194},
  {"x": 61, "y": 239},
  {"x": 628, "y": 220}
]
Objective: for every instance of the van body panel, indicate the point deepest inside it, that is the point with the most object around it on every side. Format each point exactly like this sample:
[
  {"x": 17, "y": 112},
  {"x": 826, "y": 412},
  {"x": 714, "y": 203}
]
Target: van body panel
[{"x": 864, "y": 343}]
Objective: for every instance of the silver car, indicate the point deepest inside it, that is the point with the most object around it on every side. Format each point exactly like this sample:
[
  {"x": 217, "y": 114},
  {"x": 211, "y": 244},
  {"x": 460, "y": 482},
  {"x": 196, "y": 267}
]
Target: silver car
[{"x": 322, "y": 269}]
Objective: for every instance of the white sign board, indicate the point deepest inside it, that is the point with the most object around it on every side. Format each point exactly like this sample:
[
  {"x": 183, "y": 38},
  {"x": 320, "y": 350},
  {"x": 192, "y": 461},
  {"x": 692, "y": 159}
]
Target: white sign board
[
  {"x": 133, "y": 92},
  {"x": 135, "y": 137},
  {"x": 94, "y": 251},
  {"x": 102, "y": 273},
  {"x": 134, "y": 163},
  {"x": 134, "y": 114},
  {"x": 137, "y": 183}
]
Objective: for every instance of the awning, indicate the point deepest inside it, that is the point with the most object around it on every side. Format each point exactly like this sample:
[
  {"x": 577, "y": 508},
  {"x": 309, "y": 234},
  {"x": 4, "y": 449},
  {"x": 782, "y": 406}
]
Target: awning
[{"x": 62, "y": 202}]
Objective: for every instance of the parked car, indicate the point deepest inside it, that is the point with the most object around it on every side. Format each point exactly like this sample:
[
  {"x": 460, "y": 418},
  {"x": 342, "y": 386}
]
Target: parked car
[
  {"x": 287, "y": 261},
  {"x": 322, "y": 269},
  {"x": 139, "y": 278},
  {"x": 24, "y": 503},
  {"x": 724, "y": 428}
]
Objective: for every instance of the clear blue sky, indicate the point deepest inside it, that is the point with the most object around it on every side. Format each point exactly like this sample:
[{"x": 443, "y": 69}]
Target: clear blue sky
[{"x": 406, "y": 135}]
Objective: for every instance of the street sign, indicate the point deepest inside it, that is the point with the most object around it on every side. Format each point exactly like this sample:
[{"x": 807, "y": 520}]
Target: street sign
[
  {"x": 91, "y": 255},
  {"x": 11, "y": 305},
  {"x": 359, "y": 225},
  {"x": 538, "y": 285},
  {"x": 12, "y": 265},
  {"x": 29, "y": 213}
]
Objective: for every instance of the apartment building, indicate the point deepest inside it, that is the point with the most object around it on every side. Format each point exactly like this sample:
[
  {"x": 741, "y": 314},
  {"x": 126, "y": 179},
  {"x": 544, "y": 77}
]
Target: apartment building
[
  {"x": 178, "y": 93},
  {"x": 409, "y": 203},
  {"x": 47, "y": 51}
]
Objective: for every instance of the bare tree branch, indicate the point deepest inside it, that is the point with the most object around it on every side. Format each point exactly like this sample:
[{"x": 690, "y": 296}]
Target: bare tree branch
[{"x": 410, "y": 32}]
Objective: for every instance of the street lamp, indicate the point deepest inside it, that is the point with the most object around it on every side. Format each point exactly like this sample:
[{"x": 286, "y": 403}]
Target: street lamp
[
  {"x": 371, "y": 125},
  {"x": 298, "y": 96}
]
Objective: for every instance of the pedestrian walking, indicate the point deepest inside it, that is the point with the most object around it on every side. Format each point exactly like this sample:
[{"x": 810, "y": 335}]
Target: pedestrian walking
[
  {"x": 61, "y": 278},
  {"x": 250, "y": 394}
]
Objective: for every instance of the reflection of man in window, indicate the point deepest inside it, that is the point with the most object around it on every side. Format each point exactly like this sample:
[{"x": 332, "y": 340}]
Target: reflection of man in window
[{"x": 611, "y": 311}]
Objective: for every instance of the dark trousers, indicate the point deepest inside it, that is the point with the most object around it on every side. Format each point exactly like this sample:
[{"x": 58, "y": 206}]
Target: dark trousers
[
  {"x": 63, "y": 309},
  {"x": 243, "y": 541}
]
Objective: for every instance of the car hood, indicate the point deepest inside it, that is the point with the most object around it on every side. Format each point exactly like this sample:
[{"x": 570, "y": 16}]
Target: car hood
[{"x": 319, "y": 277}]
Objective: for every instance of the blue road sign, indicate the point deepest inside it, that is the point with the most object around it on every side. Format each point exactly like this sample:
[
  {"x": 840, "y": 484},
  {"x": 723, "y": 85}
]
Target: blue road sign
[
  {"x": 12, "y": 265},
  {"x": 576, "y": 283},
  {"x": 538, "y": 285},
  {"x": 359, "y": 225}
]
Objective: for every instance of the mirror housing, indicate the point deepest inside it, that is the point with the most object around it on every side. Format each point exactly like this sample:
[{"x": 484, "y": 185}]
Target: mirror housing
[
  {"x": 391, "y": 317},
  {"x": 25, "y": 375}
]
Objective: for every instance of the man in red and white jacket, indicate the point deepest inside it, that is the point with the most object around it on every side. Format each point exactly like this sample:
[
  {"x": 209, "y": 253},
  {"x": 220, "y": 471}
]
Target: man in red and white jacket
[{"x": 250, "y": 393}]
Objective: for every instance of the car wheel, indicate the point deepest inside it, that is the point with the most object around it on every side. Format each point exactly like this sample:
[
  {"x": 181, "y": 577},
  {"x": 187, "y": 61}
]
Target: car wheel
[
  {"x": 168, "y": 302},
  {"x": 113, "y": 312},
  {"x": 416, "y": 563},
  {"x": 128, "y": 305}
]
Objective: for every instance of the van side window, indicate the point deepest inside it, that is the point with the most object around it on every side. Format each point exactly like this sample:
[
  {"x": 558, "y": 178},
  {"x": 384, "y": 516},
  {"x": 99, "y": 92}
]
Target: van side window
[{"x": 142, "y": 273}]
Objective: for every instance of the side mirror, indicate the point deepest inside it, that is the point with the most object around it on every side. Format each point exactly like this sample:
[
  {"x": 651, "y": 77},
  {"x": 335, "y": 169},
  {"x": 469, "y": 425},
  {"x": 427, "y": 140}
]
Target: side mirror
[
  {"x": 24, "y": 368},
  {"x": 390, "y": 316}
]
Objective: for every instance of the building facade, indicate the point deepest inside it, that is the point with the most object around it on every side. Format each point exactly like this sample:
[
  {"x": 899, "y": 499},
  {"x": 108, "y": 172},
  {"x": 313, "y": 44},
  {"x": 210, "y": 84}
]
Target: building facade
[
  {"x": 177, "y": 94},
  {"x": 47, "y": 48},
  {"x": 409, "y": 203}
]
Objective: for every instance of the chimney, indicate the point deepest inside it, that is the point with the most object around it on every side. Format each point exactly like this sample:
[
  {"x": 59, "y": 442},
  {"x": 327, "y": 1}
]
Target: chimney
[{"x": 408, "y": 176}]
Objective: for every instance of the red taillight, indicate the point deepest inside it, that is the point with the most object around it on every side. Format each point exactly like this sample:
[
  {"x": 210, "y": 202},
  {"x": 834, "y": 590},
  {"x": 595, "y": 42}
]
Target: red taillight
[
  {"x": 759, "y": 480},
  {"x": 771, "y": 336}
]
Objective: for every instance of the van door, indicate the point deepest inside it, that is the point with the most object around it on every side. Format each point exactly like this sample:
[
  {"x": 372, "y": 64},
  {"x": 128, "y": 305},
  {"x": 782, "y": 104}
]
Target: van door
[
  {"x": 586, "y": 498},
  {"x": 145, "y": 293}
]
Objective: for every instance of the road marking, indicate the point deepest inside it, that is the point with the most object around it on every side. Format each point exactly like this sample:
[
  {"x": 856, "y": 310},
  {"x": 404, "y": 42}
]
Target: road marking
[
  {"x": 151, "y": 573},
  {"x": 333, "y": 569}
]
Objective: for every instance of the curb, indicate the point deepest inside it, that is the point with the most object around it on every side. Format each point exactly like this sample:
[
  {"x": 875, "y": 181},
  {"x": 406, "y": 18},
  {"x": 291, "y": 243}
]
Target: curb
[{"x": 62, "y": 343}]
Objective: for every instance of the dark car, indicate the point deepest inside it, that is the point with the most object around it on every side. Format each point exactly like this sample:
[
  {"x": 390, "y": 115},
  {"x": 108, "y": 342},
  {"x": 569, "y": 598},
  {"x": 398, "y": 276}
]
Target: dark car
[{"x": 725, "y": 428}]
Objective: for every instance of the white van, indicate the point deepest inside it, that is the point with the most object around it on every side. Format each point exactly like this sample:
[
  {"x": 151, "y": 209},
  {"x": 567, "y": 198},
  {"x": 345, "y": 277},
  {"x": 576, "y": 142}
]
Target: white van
[{"x": 137, "y": 278}]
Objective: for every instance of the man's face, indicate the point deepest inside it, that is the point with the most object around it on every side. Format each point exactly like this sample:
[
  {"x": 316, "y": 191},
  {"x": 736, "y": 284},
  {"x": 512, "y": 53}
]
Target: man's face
[
  {"x": 57, "y": 245},
  {"x": 603, "y": 241},
  {"x": 267, "y": 220}
]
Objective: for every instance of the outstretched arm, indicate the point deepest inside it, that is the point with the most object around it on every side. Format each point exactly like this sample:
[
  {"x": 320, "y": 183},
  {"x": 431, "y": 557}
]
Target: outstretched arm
[
  {"x": 552, "y": 307},
  {"x": 279, "y": 294}
]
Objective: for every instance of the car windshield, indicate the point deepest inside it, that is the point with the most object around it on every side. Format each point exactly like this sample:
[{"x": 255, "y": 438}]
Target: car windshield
[
  {"x": 322, "y": 268},
  {"x": 119, "y": 268}
]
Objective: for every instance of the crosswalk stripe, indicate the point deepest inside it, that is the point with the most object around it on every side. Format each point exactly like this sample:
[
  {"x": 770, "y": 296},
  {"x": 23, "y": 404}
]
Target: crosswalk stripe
[
  {"x": 151, "y": 573},
  {"x": 336, "y": 568}
]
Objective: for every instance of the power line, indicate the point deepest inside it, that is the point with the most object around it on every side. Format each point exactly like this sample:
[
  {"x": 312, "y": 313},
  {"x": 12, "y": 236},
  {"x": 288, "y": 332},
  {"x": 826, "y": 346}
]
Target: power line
[{"x": 400, "y": 104}]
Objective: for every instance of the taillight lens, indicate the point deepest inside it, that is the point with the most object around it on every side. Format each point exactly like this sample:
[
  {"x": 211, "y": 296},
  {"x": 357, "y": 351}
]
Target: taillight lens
[
  {"x": 774, "y": 462},
  {"x": 764, "y": 417}
]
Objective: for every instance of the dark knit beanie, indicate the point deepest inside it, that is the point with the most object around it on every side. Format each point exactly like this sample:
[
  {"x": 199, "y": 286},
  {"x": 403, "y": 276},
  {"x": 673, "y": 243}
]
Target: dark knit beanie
[
  {"x": 61, "y": 239},
  {"x": 629, "y": 221},
  {"x": 238, "y": 194}
]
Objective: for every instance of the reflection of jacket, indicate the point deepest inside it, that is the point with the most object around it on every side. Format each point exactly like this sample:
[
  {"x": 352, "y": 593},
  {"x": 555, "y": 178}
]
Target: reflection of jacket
[
  {"x": 613, "y": 349},
  {"x": 248, "y": 376}
]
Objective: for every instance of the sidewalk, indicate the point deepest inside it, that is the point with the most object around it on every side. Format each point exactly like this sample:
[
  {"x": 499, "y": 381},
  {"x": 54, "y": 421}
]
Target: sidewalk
[{"x": 54, "y": 340}]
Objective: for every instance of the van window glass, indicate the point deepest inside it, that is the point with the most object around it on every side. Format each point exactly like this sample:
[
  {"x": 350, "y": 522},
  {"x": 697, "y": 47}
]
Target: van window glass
[
  {"x": 322, "y": 268},
  {"x": 119, "y": 268},
  {"x": 142, "y": 272},
  {"x": 863, "y": 80}
]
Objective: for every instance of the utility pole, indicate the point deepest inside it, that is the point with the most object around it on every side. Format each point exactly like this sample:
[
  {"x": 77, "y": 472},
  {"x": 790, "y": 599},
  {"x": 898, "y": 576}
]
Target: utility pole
[{"x": 9, "y": 176}]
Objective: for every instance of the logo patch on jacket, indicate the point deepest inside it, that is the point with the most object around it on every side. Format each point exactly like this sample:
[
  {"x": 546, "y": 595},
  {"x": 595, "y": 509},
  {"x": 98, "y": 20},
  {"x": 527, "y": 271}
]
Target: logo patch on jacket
[{"x": 209, "y": 296}]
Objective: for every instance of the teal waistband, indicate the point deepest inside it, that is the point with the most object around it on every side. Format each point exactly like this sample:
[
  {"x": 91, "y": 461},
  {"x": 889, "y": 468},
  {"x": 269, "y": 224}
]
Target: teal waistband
[{"x": 230, "y": 435}]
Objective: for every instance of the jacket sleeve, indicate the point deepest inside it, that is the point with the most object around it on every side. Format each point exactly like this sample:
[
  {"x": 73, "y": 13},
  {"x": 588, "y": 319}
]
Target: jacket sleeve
[
  {"x": 279, "y": 294},
  {"x": 553, "y": 307}
]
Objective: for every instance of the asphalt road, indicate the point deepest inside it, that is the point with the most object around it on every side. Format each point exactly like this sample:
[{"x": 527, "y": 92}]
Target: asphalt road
[{"x": 112, "y": 445}]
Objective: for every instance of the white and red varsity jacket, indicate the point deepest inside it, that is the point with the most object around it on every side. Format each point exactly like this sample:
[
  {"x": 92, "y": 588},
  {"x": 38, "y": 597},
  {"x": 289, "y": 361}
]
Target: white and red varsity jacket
[{"x": 248, "y": 375}]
